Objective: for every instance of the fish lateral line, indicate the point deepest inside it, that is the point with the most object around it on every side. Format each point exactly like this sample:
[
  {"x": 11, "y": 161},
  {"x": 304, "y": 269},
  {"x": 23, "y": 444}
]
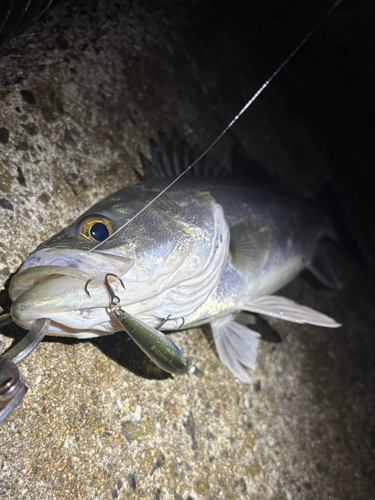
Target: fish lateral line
[
  {"x": 156, "y": 345},
  {"x": 126, "y": 318}
]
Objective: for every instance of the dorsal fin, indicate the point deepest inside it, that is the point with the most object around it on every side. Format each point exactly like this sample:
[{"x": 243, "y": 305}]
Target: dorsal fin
[{"x": 170, "y": 157}]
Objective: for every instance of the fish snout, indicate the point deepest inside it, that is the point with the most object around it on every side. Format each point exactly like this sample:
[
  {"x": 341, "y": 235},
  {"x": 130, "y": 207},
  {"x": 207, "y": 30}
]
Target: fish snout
[{"x": 41, "y": 295}]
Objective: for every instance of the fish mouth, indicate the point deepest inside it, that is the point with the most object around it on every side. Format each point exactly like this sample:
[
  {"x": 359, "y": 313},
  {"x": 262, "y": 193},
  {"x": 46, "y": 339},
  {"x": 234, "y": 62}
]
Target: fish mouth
[
  {"x": 58, "y": 292},
  {"x": 29, "y": 277}
]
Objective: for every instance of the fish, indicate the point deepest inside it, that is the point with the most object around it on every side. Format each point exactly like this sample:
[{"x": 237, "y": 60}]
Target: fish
[{"x": 211, "y": 247}]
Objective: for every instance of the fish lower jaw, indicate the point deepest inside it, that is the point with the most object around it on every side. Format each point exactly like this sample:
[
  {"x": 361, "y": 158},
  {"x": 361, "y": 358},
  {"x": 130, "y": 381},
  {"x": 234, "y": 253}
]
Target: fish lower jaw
[
  {"x": 59, "y": 329},
  {"x": 86, "y": 322}
]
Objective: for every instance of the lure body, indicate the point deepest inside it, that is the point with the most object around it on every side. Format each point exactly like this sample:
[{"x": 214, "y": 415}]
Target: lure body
[{"x": 160, "y": 348}]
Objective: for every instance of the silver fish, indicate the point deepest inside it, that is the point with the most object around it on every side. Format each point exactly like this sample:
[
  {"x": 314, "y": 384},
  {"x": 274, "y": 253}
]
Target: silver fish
[{"x": 207, "y": 249}]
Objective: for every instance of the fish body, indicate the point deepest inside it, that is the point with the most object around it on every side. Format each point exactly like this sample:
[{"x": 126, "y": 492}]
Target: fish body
[{"x": 208, "y": 248}]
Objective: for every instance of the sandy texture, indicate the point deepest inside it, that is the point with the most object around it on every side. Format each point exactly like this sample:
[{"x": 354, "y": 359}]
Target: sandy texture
[{"x": 81, "y": 95}]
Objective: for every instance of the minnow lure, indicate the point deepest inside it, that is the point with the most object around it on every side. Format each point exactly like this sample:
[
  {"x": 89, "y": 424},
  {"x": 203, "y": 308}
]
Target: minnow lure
[
  {"x": 200, "y": 251},
  {"x": 158, "y": 347}
]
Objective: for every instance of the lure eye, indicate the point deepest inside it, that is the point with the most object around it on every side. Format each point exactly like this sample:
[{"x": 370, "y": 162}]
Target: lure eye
[{"x": 96, "y": 229}]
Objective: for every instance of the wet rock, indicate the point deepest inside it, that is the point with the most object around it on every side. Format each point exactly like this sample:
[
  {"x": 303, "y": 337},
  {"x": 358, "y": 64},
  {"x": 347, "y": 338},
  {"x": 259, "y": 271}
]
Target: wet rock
[
  {"x": 60, "y": 108},
  {"x": 45, "y": 199},
  {"x": 157, "y": 493},
  {"x": 22, "y": 146},
  {"x": 63, "y": 43},
  {"x": 159, "y": 463},
  {"x": 190, "y": 429},
  {"x": 68, "y": 138},
  {"x": 257, "y": 386}
]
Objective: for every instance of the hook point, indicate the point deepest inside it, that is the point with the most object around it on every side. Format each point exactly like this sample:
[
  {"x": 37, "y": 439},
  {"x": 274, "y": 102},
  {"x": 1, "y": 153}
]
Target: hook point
[{"x": 87, "y": 284}]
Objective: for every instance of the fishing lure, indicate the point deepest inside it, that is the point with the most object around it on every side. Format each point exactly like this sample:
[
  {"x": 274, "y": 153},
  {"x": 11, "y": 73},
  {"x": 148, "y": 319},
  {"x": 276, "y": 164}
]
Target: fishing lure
[
  {"x": 158, "y": 347},
  {"x": 100, "y": 230}
]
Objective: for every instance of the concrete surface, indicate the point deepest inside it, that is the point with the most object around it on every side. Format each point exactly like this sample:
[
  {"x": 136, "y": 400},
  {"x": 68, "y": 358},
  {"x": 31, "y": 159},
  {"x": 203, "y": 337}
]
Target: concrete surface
[{"x": 81, "y": 95}]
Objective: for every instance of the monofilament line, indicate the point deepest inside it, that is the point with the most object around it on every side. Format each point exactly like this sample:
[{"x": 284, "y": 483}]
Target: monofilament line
[{"x": 245, "y": 107}]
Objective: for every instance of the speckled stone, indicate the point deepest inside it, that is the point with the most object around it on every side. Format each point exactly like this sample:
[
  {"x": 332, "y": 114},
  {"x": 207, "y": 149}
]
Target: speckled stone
[{"x": 99, "y": 420}]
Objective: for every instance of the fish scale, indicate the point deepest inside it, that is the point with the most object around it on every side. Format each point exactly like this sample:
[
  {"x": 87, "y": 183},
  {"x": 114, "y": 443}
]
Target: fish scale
[
  {"x": 210, "y": 248},
  {"x": 234, "y": 245}
]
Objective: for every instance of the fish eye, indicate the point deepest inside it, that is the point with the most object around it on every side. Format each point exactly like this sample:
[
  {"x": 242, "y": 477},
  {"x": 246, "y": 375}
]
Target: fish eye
[
  {"x": 96, "y": 228},
  {"x": 99, "y": 231}
]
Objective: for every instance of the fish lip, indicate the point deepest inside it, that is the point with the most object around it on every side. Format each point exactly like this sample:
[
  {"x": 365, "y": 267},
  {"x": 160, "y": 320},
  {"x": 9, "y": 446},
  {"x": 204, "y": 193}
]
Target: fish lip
[
  {"x": 27, "y": 278},
  {"x": 51, "y": 291},
  {"x": 42, "y": 263},
  {"x": 62, "y": 277},
  {"x": 50, "y": 270},
  {"x": 89, "y": 262}
]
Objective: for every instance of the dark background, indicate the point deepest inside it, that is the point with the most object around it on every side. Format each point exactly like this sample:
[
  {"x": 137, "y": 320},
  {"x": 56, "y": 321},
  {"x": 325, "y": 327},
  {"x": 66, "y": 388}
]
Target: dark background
[
  {"x": 106, "y": 76},
  {"x": 327, "y": 88}
]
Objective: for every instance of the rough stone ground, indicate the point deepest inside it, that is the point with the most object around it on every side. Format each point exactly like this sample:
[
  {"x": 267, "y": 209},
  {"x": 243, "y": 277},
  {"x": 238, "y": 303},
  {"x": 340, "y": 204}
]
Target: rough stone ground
[{"x": 80, "y": 96}]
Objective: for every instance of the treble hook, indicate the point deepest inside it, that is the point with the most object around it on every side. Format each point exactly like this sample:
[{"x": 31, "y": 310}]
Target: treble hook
[
  {"x": 115, "y": 300},
  {"x": 158, "y": 347},
  {"x": 162, "y": 322}
]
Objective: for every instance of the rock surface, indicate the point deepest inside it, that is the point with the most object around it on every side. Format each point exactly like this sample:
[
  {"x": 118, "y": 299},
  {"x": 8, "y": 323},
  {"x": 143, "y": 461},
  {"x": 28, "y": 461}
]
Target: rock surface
[{"x": 81, "y": 95}]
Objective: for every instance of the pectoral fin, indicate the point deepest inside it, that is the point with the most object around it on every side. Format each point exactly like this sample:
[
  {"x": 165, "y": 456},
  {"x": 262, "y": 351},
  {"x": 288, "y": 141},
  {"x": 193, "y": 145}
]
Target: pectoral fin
[
  {"x": 283, "y": 308},
  {"x": 236, "y": 346},
  {"x": 249, "y": 245}
]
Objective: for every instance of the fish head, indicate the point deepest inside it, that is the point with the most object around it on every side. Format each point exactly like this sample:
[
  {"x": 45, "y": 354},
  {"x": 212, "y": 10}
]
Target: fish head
[{"x": 151, "y": 254}]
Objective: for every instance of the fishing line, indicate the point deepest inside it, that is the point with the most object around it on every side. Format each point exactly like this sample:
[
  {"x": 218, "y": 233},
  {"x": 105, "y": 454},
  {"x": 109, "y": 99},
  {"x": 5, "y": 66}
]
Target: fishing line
[
  {"x": 232, "y": 122},
  {"x": 245, "y": 107}
]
